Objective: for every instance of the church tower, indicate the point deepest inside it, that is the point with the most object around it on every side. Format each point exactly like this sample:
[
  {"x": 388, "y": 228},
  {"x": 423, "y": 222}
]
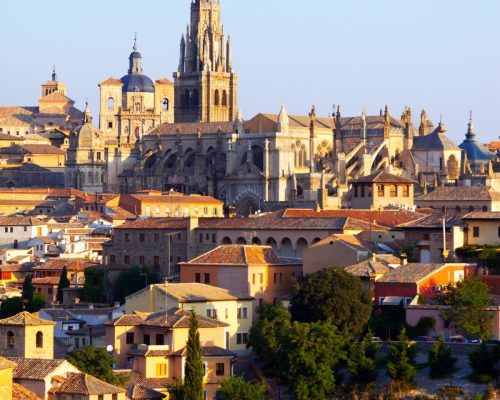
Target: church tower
[{"x": 205, "y": 84}]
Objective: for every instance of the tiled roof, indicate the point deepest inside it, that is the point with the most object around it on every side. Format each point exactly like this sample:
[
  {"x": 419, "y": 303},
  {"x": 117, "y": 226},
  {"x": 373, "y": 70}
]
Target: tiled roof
[
  {"x": 372, "y": 122},
  {"x": 491, "y": 216},
  {"x": 195, "y": 199},
  {"x": 135, "y": 379},
  {"x": 209, "y": 351},
  {"x": 410, "y": 273},
  {"x": 58, "y": 314},
  {"x": 199, "y": 292},
  {"x": 179, "y": 319},
  {"x": 32, "y": 149},
  {"x": 34, "y": 368},
  {"x": 192, "y": 128},
  {"x": 25, "y": 318},
  {"x": 387, "y": 218},
  {"x": 435, "y": 141},
  {"x": 460, "y": 193},
  {"x": 48, "y": 280},
  {"x": 164, "y": 81},
  {"x": 4, "y": 136},
  {"x": 155, "y": 223},
  {"x": 150, "y": 353},
  {"x": 300, "y": 121},
  {"x": 368, "y": 268},
  {"x": 128, "y": 320},
  {"x": 434, "y": 221},
  {"x": 111, "y": 81},
  {"x": 17, "y": 267},
  {"x": 238, "y": 255},
  {"x": 20, "y": 221},
  {"x": 71, "y": 264},
  {"x": 143, "y": 392},
  {"x": 19, "y": 392},
  {"x": 349, "y": 240},
  {"x": 383, "y": 177},
  {"x": 84, "y": 384}
]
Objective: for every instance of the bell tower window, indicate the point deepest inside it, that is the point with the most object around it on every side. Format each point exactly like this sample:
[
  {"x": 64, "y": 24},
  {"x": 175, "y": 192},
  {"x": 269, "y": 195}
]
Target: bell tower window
[
  {"x": 166, "y": 105},
  {"x": 111, "y": 104}
]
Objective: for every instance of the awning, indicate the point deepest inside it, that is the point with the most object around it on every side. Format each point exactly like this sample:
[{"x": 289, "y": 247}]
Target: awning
[{"x": 391, "y": 301}]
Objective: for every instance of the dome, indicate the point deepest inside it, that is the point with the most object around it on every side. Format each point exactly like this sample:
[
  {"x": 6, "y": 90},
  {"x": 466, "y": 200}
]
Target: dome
[
  {"x": 477, "y": 154},
  {"x": 137, "y": 83},
  {"x": 87, "y": 136}
]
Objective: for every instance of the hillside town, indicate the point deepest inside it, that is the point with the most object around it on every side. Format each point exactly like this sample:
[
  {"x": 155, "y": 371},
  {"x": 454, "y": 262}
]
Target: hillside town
[{"x": 175, "y": 249}]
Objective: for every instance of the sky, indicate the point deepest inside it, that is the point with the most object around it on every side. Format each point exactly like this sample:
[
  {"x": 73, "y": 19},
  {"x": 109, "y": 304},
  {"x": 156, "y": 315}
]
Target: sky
[{"x": 441, "y": 55}]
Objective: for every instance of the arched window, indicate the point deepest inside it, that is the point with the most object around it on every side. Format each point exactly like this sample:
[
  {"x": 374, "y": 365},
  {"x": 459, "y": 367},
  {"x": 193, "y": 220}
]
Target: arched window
[
  {"x": 39, "y": 340},
  {"x": 224, "y": 98},
  {"x": 241, "y": 240},
  {"x": 256, "y": 241},
  {"x": 111, "y": 104},
  {"x": 10, "y": 339},
  {"x": 452, "y": 166},
  {"x": 227, "y": 240},
  {"x": 217, "y": 98},
  {"x": 165, "y": 105}
]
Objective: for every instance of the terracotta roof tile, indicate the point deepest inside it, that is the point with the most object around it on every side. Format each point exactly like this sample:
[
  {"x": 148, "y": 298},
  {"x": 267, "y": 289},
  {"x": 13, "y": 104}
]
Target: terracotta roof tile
[
  {"x": 141, "y": 391},
  {"x": 209, "y": 351},
  {"x": 491, "y": 216},
  {"x": 34, "y": 368},
  {"x": 192, "y": 128},
  {"x": 19, "y": 392},
  {"x": 179, "y": 319},
  {"x": 383, "y": 177},
  {"x": 128, "y": 320},
  {"x": 410, "y": 273},
  {"x": 368, "y": 268},
  {"x": 71, "y": 264},
  {"x": 194, "y": 199},
  {"x": 462, "y": 193},
  {"x": 6, "y": 363},
  {"x": 20, "y": 221},
  {"x": 84, "y": 384},
  {"x": 199, "y": 292},
  {"x": 155, "y": 223},
  {"x": 435, "y": 221},
  {"x": 111, "y": 81},
  {"x": 25, "y": 318}
]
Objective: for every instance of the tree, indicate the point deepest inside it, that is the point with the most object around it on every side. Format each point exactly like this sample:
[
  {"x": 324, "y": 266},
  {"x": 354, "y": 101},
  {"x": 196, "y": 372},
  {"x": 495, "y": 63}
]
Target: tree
[
  {"x": 362, "y": 362},
  {"x": 268, "y": 331},
  {"x": 176, "y": 390},
  {"x": 28, "y": 290},
  {"x": 236, "y": 388},
  {"x": 469, "y": 302},
  {"x": 93, "y": 290},
  {"x": 10, "y": 307},
  {"x": 63, "y": 284},
  {"x": 401, "y": 364},
  {"x": 441, "y": 360},
  {"x": 132, "y": 280},
  {"x": 483, "y": 361},
  {"x": 193, "y": 370},
  {"x": 312, "y": 352},
  {"x": 38, "y": 303},
  {"x": 96, "y": 362},
  {"x": 335, "y": 295}
]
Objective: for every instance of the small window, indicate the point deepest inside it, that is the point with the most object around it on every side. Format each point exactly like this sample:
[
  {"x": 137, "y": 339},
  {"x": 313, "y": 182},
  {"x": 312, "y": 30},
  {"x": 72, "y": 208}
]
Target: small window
[
  {"x": 219, "y": 369},
  {"x": 197, "y": 277},
  {"x": 156, "y": 237},
  {"x": 406, "y": 191},
  {"x": 142, "y": 237},
  {"x": 201, "y": 237},
  {"x": 126, "y": 259},
  {"x": 112, "y": 259},
  {"x": 242, "y": 338},
  {"x": 130, "y": 337},
  {"x": 147, "y": 339},
  {"x": 394, "y": 191},
  {"x": 165, "y": 105},
  {"x": 160, "y": 339},
  {"x": 142, "y": 260},
  {"x": 380, "y": 190},
  {"x": 475, "y": 231},
  {"x": 110, "y": 125},
  {"x": 161, "y": 369},
  {"x": 242, "y": 313},
  {"x": 207, "y": 279},
  {"x": 10, "y": 339}
]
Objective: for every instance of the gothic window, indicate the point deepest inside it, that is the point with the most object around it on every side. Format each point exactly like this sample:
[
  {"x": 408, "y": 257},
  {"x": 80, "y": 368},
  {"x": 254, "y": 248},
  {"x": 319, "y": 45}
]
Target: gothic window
[
  {"x": 224, "y": 98},
  {"x": 452, "y": 166},
  {"x": 111, "y": 104},
  {"x": 217, "y": 98},
  {"x": 165, "y": 105},
  {"x": 39, "y": 340}
]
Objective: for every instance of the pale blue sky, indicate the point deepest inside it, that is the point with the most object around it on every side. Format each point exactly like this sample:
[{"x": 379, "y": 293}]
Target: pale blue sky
[{"x": 443, "y": 55}]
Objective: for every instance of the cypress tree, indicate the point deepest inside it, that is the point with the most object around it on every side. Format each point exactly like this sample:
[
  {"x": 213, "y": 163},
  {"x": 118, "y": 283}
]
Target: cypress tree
[
  {"x": 401, "y": 364},
  {"x": 194, "y": 369},
  {"x": 63, "y": 284},
  {"x": 28, "y": 292}
]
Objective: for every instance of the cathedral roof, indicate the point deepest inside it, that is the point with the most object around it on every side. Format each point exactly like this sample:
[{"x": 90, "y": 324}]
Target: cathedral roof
[
  {"x": 436, "y": 140},
  {"x": 137, "y": 83},
  {"x": 476, "y": 152}
]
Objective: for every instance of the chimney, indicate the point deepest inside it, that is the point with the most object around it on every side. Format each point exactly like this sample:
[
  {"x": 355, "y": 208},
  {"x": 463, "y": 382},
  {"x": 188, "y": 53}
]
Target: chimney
[{"x": 404, "y": 259}]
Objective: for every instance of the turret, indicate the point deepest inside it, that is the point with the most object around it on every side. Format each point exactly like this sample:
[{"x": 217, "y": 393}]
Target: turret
[
  {"x": 182, "y": 57},
  {"x": 283, "y": 121}
]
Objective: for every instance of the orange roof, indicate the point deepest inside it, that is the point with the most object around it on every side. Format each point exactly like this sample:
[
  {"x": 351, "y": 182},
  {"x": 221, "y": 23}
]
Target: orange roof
[
  {"x": 174, "y": 198},
  {"x": 25, "y": 318},
  {"x": 111, "y": 81},
  {"x": 239, "y": 255},
  {"x": 84, "y": 384},
  {"x": 19, "y": 392}
]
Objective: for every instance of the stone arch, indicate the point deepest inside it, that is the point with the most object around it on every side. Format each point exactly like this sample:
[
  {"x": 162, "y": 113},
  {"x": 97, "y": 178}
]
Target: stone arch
[
  {"x": 39, "y": 340},
  {"x": 170, "y": 161},
  {"x": 226, "y": 241},
  {"x": 286, "y": 248},
  {"x": 257, "y": 241},
  {"x": 241, "y": 240},
  {"x": 150, "y": 161},
  {"x": 272, "y": 242},
  {"x": 189, "y": 156},
  {"x": 165, "y": 104},
  {"x": 316, "y": 240},
  {"x": 300, "y": 246}
]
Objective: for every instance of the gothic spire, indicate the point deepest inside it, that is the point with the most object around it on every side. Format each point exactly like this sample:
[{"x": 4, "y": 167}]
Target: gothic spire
[{"x": 471, "y": 134}]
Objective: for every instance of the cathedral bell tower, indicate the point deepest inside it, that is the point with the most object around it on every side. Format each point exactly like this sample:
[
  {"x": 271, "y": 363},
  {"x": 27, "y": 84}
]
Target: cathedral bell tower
[{"x": 205, "y": 84}]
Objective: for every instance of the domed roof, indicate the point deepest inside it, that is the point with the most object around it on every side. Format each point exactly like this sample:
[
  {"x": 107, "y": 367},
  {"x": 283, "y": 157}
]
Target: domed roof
[
  {"x": 137, "y": 83},
  {"x": 135, "y": 80},
  {"x": 476, "y": 153},
  {"x": 86, "y": 135}
]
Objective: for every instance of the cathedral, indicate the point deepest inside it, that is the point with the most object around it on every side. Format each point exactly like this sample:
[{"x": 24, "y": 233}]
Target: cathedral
[{"x": 190, "y": 136}]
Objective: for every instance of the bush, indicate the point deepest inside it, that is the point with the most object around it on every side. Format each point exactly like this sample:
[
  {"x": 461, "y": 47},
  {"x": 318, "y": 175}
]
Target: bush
[
  {"x": 441, "y": 361},
  {"x": 423, "y": 327},
  {"x": 482, "y": 361}
]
